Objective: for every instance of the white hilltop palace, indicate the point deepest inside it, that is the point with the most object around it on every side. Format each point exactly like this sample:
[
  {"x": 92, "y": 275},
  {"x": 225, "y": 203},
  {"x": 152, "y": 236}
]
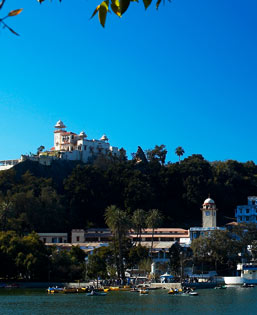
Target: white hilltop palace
[{"x": 68, "y": 146}]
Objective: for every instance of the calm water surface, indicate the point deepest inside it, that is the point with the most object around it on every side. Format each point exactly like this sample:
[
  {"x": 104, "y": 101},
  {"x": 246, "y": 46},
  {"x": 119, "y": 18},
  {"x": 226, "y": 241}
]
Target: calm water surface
[{"x": 230, "y": 301}]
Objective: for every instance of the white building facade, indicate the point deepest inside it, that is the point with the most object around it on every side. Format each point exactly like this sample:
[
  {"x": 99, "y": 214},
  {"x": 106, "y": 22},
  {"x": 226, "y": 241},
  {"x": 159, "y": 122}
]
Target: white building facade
[
  {"x": 76, "y": 147},
  {"x": 68, "y": 146},
  {"x": 247, "y": 213}
]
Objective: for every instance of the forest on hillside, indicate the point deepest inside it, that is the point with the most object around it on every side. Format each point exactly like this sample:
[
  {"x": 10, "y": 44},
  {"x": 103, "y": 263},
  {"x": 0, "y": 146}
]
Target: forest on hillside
[{"x": 68, "y": 195}]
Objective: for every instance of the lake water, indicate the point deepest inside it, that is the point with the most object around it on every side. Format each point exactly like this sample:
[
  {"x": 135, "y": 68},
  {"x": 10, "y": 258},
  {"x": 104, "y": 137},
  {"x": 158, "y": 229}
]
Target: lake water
[{"x": 233, "y": 300}]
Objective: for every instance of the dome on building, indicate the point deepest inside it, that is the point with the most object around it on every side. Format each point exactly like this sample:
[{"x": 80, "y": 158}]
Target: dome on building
[
  {"x": 208, "y": 201},
  {"x": 104, "y": 138},
  {"x": 82, "y": 134},
  {"x": 59, "y": 124}
]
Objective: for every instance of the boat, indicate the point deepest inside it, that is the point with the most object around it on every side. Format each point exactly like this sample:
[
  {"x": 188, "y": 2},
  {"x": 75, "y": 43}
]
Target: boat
[
  {"x": 143, "y": 291},
  {"x": 175, "y": 291},
  {"x": 106, "y": 289},
  {"x": 53, "y": 290},
  {"x": 189, "y": 292},
  {"x": 114, "y": 288},
  {"x": 248, "y": 285},
  {"x": 134, "y": 290},
  {"x": 70, "y": 290},
  {"x": 82, "y": 290},
  {"x": 125, "y": 289},
  {"x": 94, "y": 293},
  {"x": 220, "y": 287}
]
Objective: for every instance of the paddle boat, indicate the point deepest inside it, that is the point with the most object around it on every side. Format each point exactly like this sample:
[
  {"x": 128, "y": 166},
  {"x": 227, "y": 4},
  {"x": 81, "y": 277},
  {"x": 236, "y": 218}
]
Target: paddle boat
[
  {"x": 189, "y": 292},
  {"x": 220, "y": 287},
  {"x": 94, "y": 293},
  {"x": 143, "y": 291},
  {"x": 53, "y": 290}
]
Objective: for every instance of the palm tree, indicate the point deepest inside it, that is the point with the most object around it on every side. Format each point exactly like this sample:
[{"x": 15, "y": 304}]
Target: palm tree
[
  {"x": 119, "y": 223},
  {"x": 153, "y": 221},
  {"x": 5, "y": 209},
  {"x": 179, "y": 152},
  {"x": 138, "y": 222}
]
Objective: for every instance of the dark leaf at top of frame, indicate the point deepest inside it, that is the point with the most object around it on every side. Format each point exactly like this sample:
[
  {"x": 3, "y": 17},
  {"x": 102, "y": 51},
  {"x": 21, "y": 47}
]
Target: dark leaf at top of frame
[
  {"x": 158, "y": 3},
  {"x": 147, "y": 3},
  {"x": 124, "y": 4},
  {"x": 102, "y": 12}
]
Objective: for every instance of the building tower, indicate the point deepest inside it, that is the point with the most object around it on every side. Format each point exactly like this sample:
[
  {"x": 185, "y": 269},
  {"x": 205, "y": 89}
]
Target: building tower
[
  {"x": 59, "y": 129},
  {"x": 209, "y": 219}
]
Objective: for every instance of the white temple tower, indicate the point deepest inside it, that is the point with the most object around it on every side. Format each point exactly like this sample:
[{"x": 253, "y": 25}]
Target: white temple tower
[
  {"x": 59, "y": 129},
  {"x": 209, "y": 218}
]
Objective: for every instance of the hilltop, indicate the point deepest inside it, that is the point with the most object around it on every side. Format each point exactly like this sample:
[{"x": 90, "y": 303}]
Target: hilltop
[{"x": 68, "y": 194}]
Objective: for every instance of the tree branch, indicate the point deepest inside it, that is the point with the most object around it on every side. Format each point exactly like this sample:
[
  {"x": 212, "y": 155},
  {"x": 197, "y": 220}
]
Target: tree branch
[{"x": 1, "y": 4}]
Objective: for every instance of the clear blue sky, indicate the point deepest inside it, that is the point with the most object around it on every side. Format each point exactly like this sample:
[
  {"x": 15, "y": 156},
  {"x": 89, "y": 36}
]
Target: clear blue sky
[{"x": 185, "y": 75}]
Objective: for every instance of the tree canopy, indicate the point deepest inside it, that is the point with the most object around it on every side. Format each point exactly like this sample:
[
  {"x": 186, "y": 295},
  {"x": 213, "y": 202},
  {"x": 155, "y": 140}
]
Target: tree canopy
[{"x": 67, "y": 195}]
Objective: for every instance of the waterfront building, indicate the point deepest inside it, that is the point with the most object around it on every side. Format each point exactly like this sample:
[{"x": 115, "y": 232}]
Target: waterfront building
[
  {"x": 163, "y": 239},
  {"x": 53, "y": 237},
  {"x": 246, "y": 273},
  {"x": 209, "y": 220},
  {"x": 247, "y": 213}
]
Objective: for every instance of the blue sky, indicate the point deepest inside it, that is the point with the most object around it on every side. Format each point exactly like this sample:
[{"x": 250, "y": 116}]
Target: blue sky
[{"x": 185, "y": 75}]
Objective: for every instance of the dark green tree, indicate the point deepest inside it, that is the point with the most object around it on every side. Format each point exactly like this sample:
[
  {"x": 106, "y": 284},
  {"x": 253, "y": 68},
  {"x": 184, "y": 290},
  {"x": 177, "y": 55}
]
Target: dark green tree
[
  {"x": 174, "y": 255},
  {"x": 154, "y": 220},
  {"x": 158, "y": 154},
  {"x": 179, "y": 152},
  {"x": 118, "y": 221},
  {"x": 138, "y": 222}
]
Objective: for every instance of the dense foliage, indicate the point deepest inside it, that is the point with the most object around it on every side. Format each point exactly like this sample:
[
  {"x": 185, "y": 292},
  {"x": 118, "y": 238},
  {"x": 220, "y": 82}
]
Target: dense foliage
[
  {"x": 27, "y": 258},
  {"x": 68, "y": 195}
]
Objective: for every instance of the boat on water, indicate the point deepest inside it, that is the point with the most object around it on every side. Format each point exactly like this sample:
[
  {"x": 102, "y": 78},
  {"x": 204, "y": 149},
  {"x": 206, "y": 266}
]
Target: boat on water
[
  {"x": 221, "y": 287},
  {"x": 53, "y": 290},
  {"x": 134, "y": 290},
  {"x": 248, "y": 285},
  {"x": 175, "y": 291},
  {"x": 143, "y": 291},
  {"x": 114, "y": 288},
  {"x": 94, "y": 293}
]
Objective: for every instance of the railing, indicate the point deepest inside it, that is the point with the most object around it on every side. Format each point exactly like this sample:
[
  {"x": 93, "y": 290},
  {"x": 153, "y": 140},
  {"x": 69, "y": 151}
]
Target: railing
[{"x": 9, "y": 162}]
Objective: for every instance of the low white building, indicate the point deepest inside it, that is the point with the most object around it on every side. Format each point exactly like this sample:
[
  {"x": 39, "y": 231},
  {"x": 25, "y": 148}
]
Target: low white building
[
  {"x": 247, "y": 213},
  {"x": 53, "y": 237},
  {"x": 6, "y": 164}
]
